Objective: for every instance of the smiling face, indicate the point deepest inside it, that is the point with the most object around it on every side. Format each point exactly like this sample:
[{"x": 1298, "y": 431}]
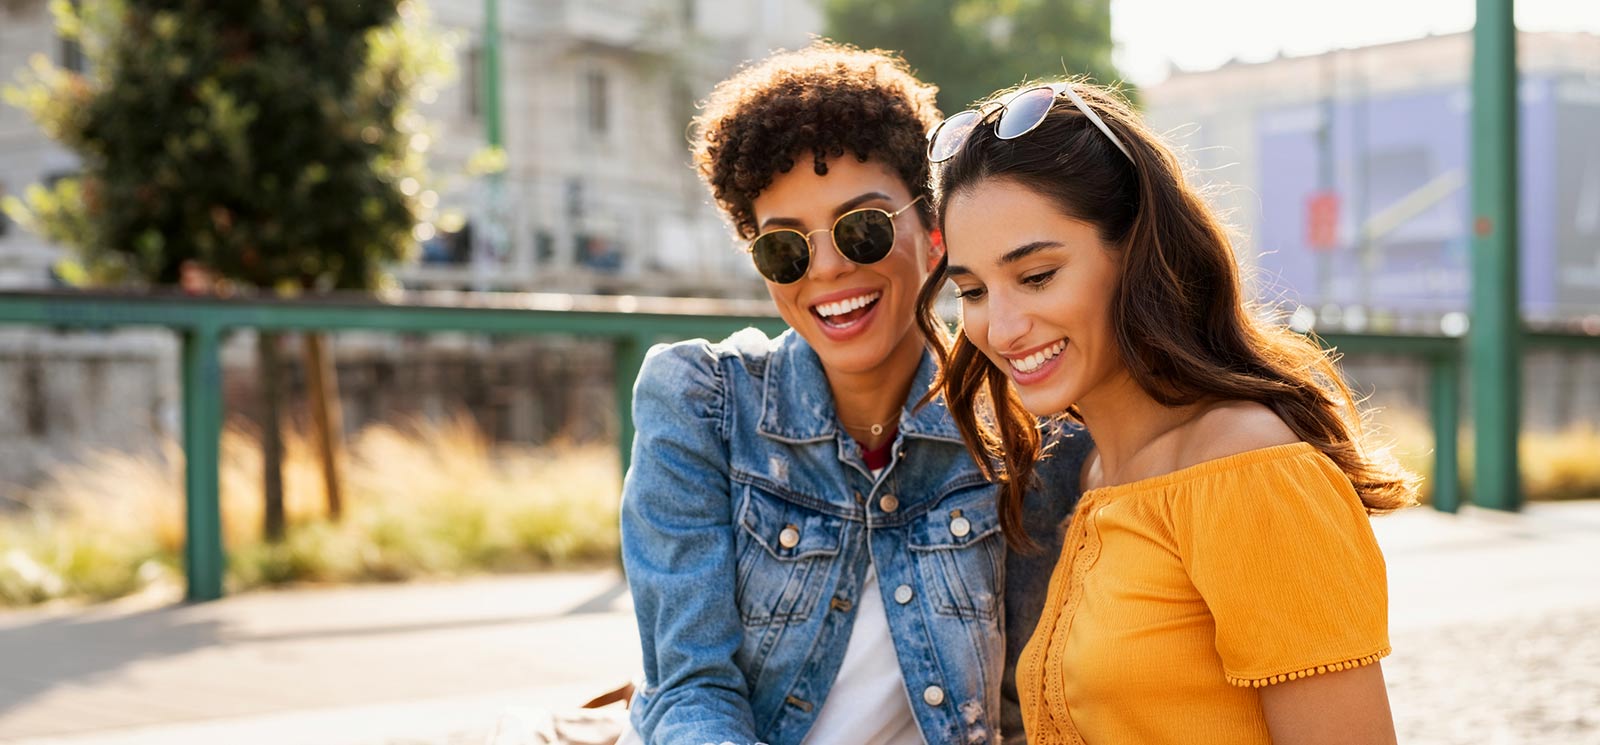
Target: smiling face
[
  {"x": 1036, "y": 289},
  {"x": 857, "y": 317}
]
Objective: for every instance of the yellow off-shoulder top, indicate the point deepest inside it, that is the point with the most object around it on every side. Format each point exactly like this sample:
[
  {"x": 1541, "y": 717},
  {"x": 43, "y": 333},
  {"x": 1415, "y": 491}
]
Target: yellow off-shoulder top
[{"x": 1176, "y": 597}]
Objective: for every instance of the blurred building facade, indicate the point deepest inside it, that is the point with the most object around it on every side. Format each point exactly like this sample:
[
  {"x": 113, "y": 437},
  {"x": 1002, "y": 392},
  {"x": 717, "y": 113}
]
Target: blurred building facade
[
  {"x": 598, "y": 194},
  {"x": 26, "y": 155},
  {"x": 1347, "y": 175},
  {"x": 1346, "y": 178}
]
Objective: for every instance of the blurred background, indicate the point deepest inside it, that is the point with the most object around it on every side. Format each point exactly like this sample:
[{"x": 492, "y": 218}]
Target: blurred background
[{"x": 324, "y": 297}]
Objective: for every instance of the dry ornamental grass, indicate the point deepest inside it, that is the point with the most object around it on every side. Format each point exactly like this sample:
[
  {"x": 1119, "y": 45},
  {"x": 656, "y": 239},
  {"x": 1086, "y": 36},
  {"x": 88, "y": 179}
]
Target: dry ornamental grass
[
  {"x": 421, "y": 499},
  {"x": 437, "y": 498}
]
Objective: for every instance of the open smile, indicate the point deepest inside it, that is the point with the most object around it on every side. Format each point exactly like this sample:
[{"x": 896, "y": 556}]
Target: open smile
[
  {"x": 846, "y": 315},
  {"x": 1037, "y": 364}
]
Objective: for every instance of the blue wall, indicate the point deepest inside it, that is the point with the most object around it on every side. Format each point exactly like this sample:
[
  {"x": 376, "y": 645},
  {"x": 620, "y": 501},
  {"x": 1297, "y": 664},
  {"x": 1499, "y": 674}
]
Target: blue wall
[{"x": 1383, "y": 148}]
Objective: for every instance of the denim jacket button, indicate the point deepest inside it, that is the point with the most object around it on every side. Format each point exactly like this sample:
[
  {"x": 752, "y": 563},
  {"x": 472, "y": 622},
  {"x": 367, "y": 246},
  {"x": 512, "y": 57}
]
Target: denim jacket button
[
  {"x": 960, "y": 527},
  {"x": 933, "y": 695},
  {"x": 790, "y": 537},
  {"x": 889, "y": 503},
  {"x": 902, "y": 594}
]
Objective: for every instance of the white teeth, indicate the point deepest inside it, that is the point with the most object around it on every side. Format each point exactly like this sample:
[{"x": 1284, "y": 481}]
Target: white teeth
[
  {"x": 1037, "y": 359},
  {"x": 828, "y": 310}
]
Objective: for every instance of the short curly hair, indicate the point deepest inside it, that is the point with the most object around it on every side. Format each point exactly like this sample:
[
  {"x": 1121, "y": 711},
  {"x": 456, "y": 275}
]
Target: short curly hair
[{"x": 826, "y": 99}]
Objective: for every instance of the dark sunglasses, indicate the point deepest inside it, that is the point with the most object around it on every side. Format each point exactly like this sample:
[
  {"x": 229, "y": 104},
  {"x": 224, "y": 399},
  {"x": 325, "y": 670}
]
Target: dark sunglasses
[
  {"x": 864, "y": 236},
  {"x": 1020, "y": 113}
]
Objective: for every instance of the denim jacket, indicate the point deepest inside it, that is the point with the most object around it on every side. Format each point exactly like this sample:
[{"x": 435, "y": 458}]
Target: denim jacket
[{"x": 748, "y": 521}]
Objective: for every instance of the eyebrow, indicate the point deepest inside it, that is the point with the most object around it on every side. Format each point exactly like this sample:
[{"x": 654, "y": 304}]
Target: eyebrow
[
  {"x": 1013, "y": 256},
  {"x": 790, "y": 222}
]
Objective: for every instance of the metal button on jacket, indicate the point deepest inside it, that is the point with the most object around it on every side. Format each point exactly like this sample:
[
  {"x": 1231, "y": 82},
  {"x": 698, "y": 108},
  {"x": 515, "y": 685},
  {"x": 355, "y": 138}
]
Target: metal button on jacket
[
  {"x": 790, "y": 537},
  {"x": 902, "y": 594},
  {"x": 889, "y": 503},
  {"x": 960, "y": 527},
  {"x": 933, "y": 695}
]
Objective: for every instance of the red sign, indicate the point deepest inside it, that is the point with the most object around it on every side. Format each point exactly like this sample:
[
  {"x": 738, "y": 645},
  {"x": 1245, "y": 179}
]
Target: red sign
[{"x": 1322, "y": 221}]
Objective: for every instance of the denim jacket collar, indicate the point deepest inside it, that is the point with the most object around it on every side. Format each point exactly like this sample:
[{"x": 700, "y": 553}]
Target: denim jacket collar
[{"x": 798, "y": 405}]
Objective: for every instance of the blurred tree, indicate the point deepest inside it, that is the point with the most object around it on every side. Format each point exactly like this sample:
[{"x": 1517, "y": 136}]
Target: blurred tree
[
  {"x": 269, "y": 144},
  {"x": 971, "y": 48}
]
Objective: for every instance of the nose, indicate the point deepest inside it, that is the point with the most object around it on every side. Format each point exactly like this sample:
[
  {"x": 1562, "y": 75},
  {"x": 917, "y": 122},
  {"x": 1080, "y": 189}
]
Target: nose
[
  {"x": 1009, "y": 323},
  {"x": 826, "y": 261}
]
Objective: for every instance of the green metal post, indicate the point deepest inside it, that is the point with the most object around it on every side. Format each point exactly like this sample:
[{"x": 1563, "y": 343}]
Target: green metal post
[
  {"x": 490, "y": 252},
  {"x": 491, "y": 72},
  {"x": 1446, "y": 393},
  {"x": 202, "y": 439},
  {"x": 1493, "y": 344},
  {"x": 628, "y": 358}
]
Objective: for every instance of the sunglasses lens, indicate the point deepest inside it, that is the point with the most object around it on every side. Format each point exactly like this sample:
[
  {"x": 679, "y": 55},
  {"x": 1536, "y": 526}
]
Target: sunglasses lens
[
  {"x": 781, "y": 256},
  {"x": 864, "y": 236},
  {"x": 951, "y": 135},
  {"x": 1024, "y": 112}
]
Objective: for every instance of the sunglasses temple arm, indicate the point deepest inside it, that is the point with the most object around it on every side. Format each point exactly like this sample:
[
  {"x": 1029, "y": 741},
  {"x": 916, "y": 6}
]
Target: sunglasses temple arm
[{"x": 1095, "y": 118}]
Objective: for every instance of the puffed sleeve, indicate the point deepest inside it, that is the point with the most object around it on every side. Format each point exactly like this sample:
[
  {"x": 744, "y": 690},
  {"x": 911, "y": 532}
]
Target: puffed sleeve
[
  {"x": 1282, "y": 552},
  {"x": 678, "y": 553}
]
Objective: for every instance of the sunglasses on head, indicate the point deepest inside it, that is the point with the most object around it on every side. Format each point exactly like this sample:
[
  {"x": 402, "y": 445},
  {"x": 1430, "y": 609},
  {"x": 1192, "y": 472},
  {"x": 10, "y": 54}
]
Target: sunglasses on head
[
  {"x": 1019, "y": 114},
  {"x": 864, "y": 236}
]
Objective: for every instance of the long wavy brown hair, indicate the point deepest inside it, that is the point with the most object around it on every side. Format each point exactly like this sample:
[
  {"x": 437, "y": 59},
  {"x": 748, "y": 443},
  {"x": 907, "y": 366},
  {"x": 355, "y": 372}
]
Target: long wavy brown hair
[{"x": 1183, "y": 326}]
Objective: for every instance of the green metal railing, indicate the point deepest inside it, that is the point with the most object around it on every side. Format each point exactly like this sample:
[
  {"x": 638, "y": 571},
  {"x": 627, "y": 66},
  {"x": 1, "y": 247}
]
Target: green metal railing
[{"x": 630, "y": 324}]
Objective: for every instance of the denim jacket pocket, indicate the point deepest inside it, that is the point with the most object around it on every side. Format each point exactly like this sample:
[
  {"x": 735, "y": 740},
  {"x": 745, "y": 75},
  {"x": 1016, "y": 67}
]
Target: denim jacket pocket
[
  {"x": 960, "y": 553},
  {"x": 786, "y": 554}
]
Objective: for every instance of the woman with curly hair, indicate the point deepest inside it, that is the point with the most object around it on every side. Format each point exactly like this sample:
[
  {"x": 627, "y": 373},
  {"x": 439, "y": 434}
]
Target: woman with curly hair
[
  {"x": 1220, "y": 582},
  {"x": 789, "y": 502}
]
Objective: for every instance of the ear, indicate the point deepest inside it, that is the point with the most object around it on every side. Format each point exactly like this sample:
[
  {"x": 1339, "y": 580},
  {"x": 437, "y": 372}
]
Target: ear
[{"x": 935, "y": 249}]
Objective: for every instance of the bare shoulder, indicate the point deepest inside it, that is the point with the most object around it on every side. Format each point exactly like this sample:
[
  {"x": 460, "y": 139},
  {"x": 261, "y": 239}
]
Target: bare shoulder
[{"x": 1233, "y": 427}]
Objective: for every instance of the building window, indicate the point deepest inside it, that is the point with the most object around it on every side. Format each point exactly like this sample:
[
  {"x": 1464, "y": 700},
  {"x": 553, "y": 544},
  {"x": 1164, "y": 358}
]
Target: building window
[
  {"x": 472, "y": 81},
  {"x": 72, "y": 56},
  {"x": 71, "y": 51},
  {"x": 596, "y": 112}
]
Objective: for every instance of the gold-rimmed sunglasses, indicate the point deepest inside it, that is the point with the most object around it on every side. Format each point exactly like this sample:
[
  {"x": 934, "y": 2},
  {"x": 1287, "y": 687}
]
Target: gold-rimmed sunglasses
[{"x": 864, "y": 236}]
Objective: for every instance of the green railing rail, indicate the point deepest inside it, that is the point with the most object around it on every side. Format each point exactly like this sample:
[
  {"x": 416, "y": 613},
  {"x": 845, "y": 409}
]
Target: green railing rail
[{"x": 631, "y": 324}]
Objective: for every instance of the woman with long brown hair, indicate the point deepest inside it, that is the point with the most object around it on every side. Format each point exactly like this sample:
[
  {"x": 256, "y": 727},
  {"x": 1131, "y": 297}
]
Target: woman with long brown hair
[
  {"x": 1220, "y": 582},
  {"x": 812, "y": 558}
]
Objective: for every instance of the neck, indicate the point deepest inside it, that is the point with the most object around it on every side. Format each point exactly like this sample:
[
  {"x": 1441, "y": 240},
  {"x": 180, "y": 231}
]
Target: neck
[
  {"x": 876, "y": 396},
  {"x": 1129, "y": 429}
]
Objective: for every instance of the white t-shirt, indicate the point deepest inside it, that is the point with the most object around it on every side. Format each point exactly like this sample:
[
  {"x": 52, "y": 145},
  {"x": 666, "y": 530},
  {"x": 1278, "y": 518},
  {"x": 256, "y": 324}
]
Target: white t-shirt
[{"x": 868, "y": 703}]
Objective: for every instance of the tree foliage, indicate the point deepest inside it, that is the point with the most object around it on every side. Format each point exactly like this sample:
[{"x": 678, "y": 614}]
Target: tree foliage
[
  {"x": 272, "y": 142},
  {"x": 971, "y": 48}
]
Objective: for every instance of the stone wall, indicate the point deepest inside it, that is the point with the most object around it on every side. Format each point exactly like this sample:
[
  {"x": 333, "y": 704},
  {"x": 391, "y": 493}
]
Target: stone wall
[{"x": 64, "y": 395}]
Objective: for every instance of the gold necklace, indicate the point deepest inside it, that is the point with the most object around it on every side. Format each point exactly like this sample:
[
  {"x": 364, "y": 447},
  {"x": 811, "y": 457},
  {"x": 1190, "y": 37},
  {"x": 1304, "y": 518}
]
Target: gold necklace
[{"x": 876, "y": 429}]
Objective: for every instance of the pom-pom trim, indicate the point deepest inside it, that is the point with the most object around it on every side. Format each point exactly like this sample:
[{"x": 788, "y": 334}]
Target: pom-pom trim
[{"x": 1310, "y": 671}]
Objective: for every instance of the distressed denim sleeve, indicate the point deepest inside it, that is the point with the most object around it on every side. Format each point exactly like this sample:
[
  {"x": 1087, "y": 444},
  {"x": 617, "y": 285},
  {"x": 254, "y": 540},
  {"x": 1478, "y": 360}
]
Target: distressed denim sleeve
[
  {"x": 678, "y": 552},
  {"x": 1045, "y": 514}
]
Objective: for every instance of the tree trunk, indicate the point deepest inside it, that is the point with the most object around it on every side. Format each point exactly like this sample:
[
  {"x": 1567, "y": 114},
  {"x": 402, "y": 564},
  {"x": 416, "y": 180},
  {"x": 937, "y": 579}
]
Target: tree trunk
[
  {"x": 267, "y": 372},
  {"x": 327, "y": 418}
]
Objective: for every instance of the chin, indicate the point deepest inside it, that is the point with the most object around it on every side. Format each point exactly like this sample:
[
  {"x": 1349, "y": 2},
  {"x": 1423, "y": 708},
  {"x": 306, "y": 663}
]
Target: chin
[
  {"x": 859, "y": 355},
  {"x": 1047, "y": 403}
]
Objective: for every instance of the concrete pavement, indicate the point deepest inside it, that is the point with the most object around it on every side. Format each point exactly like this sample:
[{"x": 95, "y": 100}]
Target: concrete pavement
[
  {"x": 372, "y": 664},
  {"x": 1493, "y": 618}
]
